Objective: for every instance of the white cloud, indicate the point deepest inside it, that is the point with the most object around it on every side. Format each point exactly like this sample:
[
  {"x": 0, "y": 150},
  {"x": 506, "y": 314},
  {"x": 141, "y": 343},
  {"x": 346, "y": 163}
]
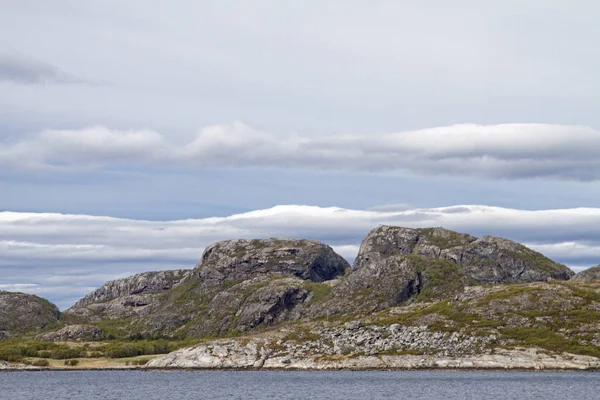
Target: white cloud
[
  {"x": 506, "y": 151},
  {"x": 53, "y": 250}
]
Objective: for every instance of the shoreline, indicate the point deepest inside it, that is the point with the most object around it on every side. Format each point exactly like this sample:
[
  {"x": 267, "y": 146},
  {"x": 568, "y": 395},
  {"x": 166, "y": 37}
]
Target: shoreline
[{"x": 255, "y": 369}]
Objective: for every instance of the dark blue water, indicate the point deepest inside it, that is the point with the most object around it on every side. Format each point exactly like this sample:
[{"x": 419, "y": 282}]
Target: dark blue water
[{"x": 117, "y": 385}]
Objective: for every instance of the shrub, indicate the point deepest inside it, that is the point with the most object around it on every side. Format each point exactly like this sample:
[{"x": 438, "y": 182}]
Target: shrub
[
  {"x": 63, "y": 354},
  {"x": 72, "y": 363},
  {"x": 40, "y": 363}
]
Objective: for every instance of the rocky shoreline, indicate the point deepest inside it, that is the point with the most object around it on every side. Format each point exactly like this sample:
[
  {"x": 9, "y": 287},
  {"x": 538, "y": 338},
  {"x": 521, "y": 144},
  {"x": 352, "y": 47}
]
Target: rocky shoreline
[
  {"x": 525, "y": 360},
  {"x": 381, "y": 348}
]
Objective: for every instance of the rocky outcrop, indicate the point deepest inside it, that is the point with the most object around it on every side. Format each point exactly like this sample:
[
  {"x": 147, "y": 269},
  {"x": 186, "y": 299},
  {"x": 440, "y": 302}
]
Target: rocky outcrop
[
  {"x": 240, "y": 260},
  {"x": 488, "y": 260},
  {"x": 242, "y": 285},
  {"x": 392, "y": 281},
  {"x": 25, "y": 313},
  {"x": 73, "y": 333},
  {"x": 588, "y": 275},
  {"x": 145, "y": 282},
  {"x": 361, "y": 350},
  {"x": 237, "y": 285},
  {"x": 254, "y": 302},
  {"x": 127, "y": 297}
]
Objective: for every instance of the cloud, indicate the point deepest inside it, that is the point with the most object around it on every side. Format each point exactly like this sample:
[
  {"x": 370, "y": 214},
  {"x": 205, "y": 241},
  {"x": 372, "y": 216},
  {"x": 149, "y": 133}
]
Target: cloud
[
  {"x": 54, "y": 251},
  {"x": 19, "y": 68},
  {"x": 92, "y": 147},
  {"x": 506, "y": 151}
]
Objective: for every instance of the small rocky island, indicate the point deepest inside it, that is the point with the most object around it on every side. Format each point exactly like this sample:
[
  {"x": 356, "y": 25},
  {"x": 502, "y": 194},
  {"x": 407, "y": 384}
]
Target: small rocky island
[{"x": 414, "y": 298}]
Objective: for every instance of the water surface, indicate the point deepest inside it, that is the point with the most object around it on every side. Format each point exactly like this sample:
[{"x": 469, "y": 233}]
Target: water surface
[{"x": 217, "y": 385}]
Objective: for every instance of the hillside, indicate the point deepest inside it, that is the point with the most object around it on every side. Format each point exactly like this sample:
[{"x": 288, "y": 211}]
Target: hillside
[
  {"x": 22, "y": 313},
  {"x": 287, "y": 303}
]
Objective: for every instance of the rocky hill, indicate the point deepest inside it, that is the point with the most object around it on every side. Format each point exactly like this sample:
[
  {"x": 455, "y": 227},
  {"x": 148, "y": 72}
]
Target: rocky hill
[
  {"x": 24, "y": 313},
  {"x": 589, "y": 275},
  {"x": 284, "y": 303},
  {"x": 236, "y": 286},
  {"x": 242, "y": 285}
]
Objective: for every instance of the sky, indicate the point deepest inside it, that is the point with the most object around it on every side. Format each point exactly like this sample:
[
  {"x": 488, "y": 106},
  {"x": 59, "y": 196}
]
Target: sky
[{"x": 135, "y": 133}]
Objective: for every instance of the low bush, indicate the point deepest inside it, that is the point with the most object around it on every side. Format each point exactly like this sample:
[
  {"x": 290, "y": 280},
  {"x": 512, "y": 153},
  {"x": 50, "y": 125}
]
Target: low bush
[{"x": 40, "y": 363}]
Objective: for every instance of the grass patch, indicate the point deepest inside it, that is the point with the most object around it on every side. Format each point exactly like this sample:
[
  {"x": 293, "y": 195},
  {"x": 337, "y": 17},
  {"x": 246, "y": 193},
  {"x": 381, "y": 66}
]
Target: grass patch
[{"x": 319, "y": 290}]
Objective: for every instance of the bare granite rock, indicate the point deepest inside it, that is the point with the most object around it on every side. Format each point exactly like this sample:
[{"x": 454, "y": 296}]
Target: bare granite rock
[
  {"x": 371, "y": 347},
  {"x": 588, "y": 275},
  {"x": 73, "y": 333}
]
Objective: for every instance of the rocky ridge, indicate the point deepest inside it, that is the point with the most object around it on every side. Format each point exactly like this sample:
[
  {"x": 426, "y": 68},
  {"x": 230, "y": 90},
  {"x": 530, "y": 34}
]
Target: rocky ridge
[
  {"x": 413, "y": 298},
  {"x": 126, "y": 297}
]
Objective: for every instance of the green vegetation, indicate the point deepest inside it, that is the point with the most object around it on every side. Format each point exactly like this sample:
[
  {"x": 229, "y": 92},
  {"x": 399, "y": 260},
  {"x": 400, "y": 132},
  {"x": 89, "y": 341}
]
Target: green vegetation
[
  {"x": 319, "y": 290},
  {"x": 19, "y": 350},
  {"x": 507, "y": 292},
  {"x": 539, "y": 260},
  {"x": 441, "y": 278},
  {"x": 547, "y": 339},
  {"x": 446, "y": 241},
  {"x": 301, "y": 335}
]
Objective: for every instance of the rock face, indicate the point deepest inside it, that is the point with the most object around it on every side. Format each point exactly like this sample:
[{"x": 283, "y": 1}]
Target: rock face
[
  {"x": 588, "y": 275},
  {"x": 393, "y": 280},
  {"x": 488, "y": 260},
  {"x": 126, "y": 297},
  {"x": 24, "y": 313},
  {"x": 239, "y": 260},
  {"x": 73, "y": 333}
]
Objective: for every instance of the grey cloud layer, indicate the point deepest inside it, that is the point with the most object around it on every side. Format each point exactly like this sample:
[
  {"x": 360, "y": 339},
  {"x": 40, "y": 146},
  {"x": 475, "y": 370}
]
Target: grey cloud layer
[
  {"x": 19, "y": 68},
  {"x": 43, "y": 251},
  {"x": 506, "y": 151}
]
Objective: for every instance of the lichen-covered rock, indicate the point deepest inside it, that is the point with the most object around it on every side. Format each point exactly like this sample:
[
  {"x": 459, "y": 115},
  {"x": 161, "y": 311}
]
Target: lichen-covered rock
[
  {"x": 73, "y": 333},
  {"x": 588, "y": 275},
  {"x": 239, "y": 260},
  {"x": 145, "y": 282},
  {"x": 387, "y": 241},
  {"x": 127, "y": 297},
  {"x": 392, "y": 281},
  {"x": 486, "y": 260},
  {"x": 23, "y": 313}
]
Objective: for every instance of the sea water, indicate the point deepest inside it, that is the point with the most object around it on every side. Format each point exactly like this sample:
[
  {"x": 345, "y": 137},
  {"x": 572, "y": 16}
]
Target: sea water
[{"x": 216, "y": 385}]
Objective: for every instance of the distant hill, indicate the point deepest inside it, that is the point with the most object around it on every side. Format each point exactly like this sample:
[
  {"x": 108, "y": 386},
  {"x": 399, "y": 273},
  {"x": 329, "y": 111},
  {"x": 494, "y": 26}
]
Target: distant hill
[{"x": 410, "y": 291}]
